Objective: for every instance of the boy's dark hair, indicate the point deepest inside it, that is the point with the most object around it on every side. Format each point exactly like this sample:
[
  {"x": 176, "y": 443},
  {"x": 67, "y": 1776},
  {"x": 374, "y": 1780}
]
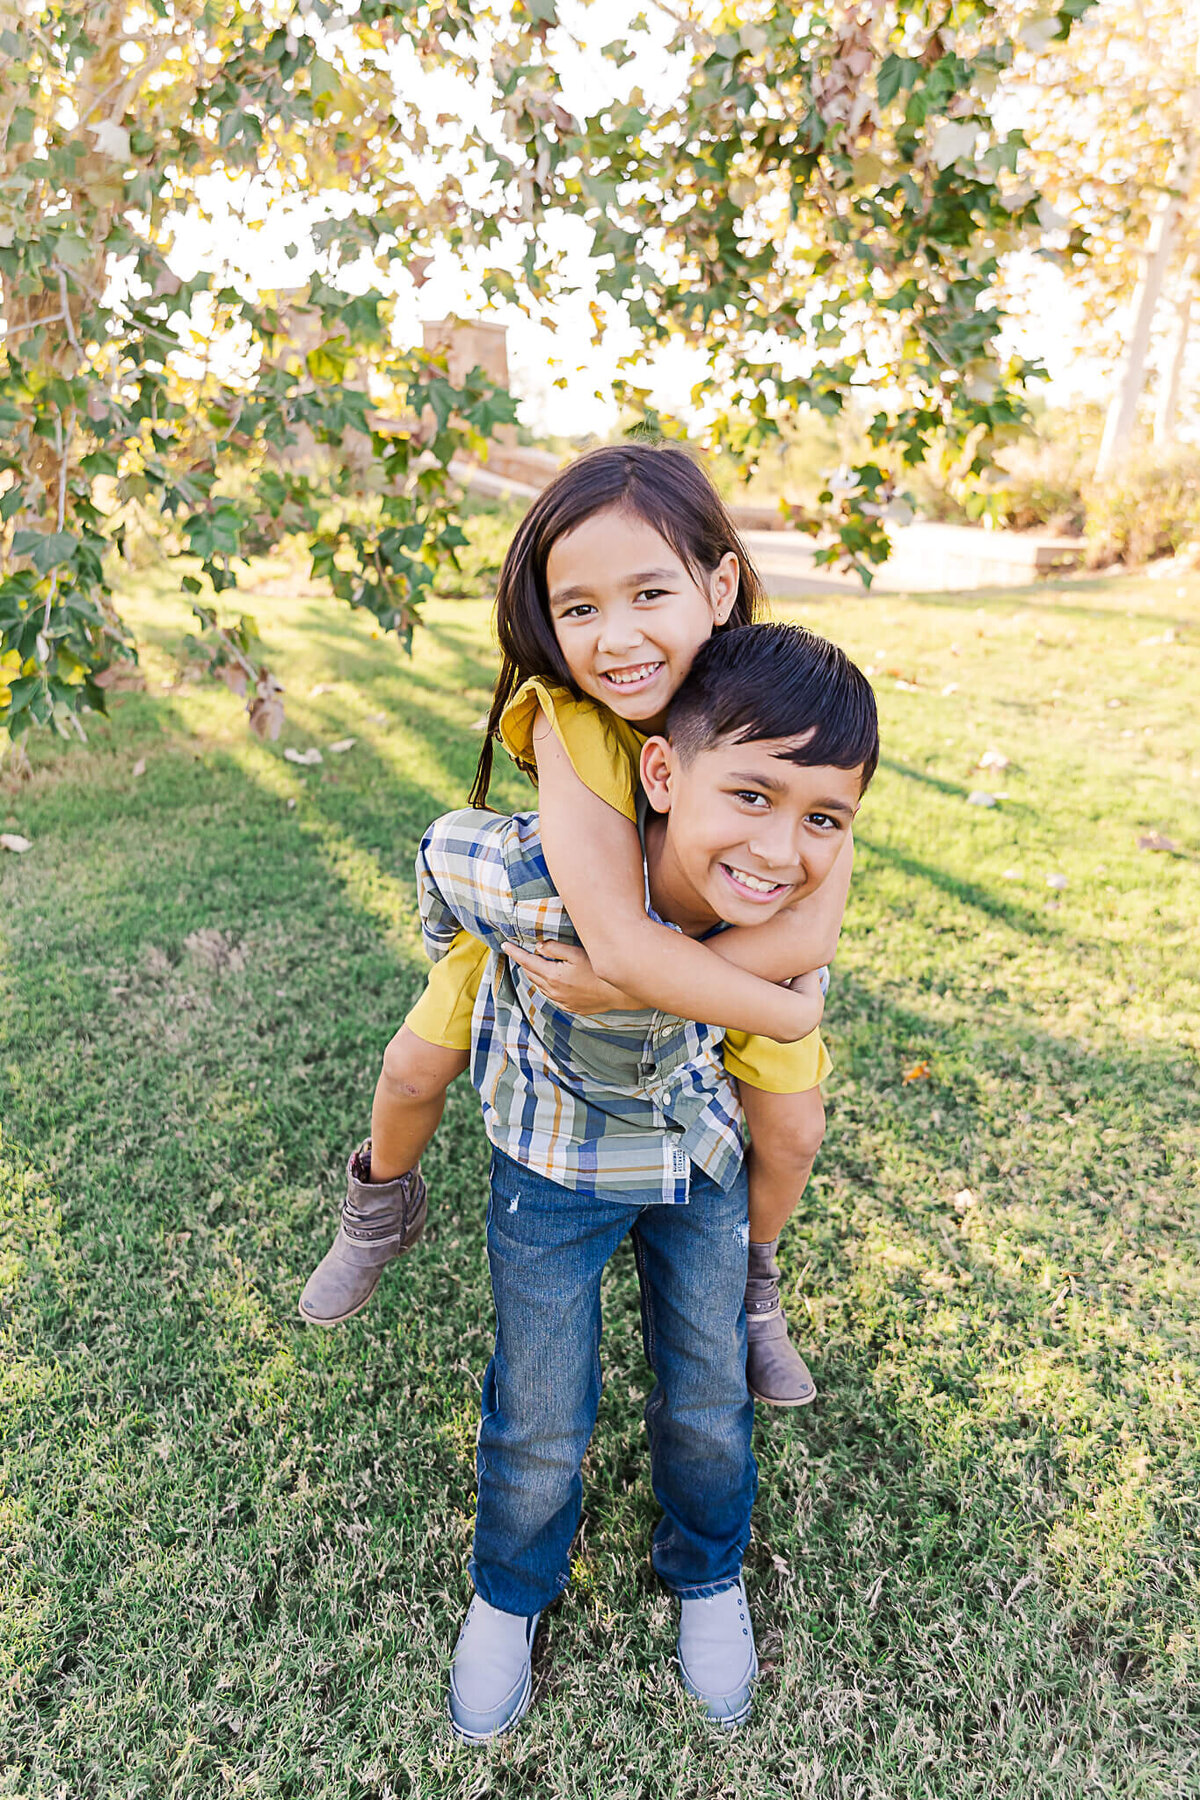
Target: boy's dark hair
[
  {"x": 661, "y": 485},
  {"x": 778, "y": 681}
]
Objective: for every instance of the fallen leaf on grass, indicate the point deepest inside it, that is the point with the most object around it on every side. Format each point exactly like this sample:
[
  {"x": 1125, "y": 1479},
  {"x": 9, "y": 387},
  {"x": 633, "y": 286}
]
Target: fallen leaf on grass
[
  {"x": 306, "y": 758},
  {"x": 139, "y": 767},
  {"x": 342, "y": 745},
  {"x": 1155, "y": 840},
  {"x": 919, "y": 1072},
  {"x": 266, "y": 708},
  {"x": 156, "y": 964},
  {"x": 1056, "y": 881},
  {"x": 977, "y": 797},
  {"x": 12, "y": 840},
  {"x": 215, "y": 950}
]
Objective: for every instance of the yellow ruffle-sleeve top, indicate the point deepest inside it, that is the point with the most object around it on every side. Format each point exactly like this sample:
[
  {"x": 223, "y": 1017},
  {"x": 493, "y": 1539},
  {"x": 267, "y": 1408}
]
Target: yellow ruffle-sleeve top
[{"x": 605, "y": 753}]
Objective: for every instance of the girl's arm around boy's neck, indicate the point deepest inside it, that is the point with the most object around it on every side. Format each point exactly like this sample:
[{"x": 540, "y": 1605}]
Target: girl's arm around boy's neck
[{"x": 595, "y": 861}]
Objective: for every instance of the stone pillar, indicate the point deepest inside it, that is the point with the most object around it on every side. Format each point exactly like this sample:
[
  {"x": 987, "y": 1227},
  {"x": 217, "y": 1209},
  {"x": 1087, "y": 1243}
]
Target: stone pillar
[{"x": 469, "y": 344}]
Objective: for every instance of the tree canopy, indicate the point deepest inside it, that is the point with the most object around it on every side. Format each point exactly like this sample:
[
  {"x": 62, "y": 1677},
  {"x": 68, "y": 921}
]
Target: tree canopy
[{"x": 818, "y": 200}]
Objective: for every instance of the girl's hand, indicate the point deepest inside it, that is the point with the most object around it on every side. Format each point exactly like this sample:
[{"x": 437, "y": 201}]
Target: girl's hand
[
  {"x": 563, "y": 972},
  {"x": 808, "y": 984},
  {"x": 807, "y": 988}
]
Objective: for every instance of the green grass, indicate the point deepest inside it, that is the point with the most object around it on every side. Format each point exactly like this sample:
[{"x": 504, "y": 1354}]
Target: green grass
[{"x": 236, "y": 1549}]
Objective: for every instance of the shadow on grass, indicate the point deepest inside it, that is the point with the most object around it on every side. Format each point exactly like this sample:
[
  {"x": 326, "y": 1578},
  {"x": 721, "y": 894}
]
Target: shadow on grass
[
  {"x": 1055, "y": 600},
  {"x": 226, "y": 1519},
  {"x": 968, "y": 894}
]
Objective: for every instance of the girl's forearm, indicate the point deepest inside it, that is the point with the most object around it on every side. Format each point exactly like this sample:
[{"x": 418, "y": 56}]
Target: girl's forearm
[{"x": 661, "y": 968}]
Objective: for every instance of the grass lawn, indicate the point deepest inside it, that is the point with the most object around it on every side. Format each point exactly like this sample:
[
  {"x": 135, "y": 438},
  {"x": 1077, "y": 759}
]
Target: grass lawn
[{"x": 236, "y": 1548}]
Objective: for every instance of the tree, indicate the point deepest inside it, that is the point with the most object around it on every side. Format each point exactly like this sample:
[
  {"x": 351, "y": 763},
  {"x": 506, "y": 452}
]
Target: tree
[
  {"x": 820, "y": 205},
  {"x": 118, "y": 387},
  {"x": 1114, "y": 131}
]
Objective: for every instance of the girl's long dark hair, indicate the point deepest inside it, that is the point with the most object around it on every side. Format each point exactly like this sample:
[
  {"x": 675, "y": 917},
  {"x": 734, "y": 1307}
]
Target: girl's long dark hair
[{"x": 658, "y": 483}]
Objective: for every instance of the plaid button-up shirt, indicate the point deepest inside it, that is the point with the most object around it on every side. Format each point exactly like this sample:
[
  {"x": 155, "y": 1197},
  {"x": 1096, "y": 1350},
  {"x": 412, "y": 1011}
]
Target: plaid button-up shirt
[{"x": 620, "y": 1104}]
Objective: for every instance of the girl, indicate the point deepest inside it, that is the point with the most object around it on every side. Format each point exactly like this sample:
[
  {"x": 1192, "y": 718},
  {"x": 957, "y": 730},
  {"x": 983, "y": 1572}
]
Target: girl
[{"x": 619, "y": 571}]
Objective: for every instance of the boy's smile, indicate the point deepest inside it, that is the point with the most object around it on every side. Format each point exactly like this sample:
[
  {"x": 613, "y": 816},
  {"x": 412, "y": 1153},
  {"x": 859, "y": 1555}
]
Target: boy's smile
[{"x": 739, "y": 832}]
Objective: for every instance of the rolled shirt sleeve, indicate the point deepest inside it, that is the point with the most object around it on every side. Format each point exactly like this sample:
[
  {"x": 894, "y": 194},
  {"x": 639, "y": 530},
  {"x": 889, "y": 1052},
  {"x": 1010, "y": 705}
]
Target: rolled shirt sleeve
[{"x": 484, "y": 873}]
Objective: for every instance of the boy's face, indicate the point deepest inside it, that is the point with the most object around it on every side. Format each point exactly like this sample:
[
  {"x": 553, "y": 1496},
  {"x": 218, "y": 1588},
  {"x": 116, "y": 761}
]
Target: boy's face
[{"x": 746, "y": 832}]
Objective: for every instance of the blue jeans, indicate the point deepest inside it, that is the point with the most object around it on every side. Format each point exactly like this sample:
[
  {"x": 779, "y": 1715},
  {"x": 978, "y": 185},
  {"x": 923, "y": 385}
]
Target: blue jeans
[{"x": 547, "y": 1247}]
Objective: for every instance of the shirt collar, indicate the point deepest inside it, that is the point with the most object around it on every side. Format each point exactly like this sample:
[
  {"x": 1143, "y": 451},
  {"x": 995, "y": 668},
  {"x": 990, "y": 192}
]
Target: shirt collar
[{"x": 643, "y": 813}]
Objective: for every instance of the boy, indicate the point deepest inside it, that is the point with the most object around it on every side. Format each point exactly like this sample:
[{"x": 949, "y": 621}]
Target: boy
[{"x": 626, "y": 1122}]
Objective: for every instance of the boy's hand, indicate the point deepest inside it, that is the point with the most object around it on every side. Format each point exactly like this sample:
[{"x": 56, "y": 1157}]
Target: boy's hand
[{"x": 563, "y": 972}]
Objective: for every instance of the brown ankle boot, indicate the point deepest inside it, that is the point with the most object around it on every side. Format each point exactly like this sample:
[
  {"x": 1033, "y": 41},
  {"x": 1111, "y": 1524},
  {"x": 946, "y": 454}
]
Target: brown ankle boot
[
  {"x": 775, "y": 1370},
  {"x": 380, "y": 1220}
]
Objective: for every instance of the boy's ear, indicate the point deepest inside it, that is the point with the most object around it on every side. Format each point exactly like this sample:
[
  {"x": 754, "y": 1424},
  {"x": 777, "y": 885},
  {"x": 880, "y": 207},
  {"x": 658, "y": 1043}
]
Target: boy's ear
[{"x": 657, "y": 767}]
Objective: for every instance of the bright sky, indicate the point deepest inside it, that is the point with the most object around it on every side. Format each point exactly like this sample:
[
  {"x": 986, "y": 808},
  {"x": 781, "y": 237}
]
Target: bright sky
[{"x": 538, "y": 356}]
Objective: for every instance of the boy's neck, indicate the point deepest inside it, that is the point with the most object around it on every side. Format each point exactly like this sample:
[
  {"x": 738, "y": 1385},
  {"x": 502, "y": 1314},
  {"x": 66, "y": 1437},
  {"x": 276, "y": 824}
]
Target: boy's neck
[{"x": 671, "y": 895}]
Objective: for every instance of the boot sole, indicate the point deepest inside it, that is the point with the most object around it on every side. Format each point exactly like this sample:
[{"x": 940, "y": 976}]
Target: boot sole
[
  {"x": 340, "y": 1319},
  {"x": 769, "y": 1400}
]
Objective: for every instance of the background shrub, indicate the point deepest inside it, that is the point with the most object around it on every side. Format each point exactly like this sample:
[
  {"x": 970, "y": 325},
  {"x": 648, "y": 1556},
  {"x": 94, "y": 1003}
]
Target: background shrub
[{"x": 1149, "y": 508}]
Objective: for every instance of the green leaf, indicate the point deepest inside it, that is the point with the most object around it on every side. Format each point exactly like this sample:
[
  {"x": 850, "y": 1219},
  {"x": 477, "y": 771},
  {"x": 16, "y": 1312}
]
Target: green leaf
[
  {"x": 23, "y": 690},
  {"x": 20, "y": 128},
  {"x": 323, "y": 77},
  {"x": 53, "y": 549},
  {"x": 76, "y": 252}
]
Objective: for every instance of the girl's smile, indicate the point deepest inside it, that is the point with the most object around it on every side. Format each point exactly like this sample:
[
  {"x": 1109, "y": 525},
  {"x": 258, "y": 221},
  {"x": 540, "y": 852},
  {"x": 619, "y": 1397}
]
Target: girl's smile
[
  {"x": 629, "y": 615},
  {"x": 628, "y": 678}
]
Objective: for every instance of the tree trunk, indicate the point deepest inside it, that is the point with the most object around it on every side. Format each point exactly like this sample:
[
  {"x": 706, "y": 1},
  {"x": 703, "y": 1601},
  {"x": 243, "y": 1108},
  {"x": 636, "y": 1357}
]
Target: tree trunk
[
  {"x": 1167, "y": 410},
  {"x": 1122, "y": 413}
]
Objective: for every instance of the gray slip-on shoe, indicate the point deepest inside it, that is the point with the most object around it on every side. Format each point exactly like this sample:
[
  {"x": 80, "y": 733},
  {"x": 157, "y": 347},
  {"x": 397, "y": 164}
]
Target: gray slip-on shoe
[
  {"x": 716, "y": 1654},
  {"x": 380, "y": 1220},
  {"x": 775, "y": 1370},
  {"x": 491, "y": 1681}
]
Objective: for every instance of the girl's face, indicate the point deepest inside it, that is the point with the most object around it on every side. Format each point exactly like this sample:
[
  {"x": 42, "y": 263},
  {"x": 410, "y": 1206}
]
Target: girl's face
[{"x": 628, "y": 615}]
